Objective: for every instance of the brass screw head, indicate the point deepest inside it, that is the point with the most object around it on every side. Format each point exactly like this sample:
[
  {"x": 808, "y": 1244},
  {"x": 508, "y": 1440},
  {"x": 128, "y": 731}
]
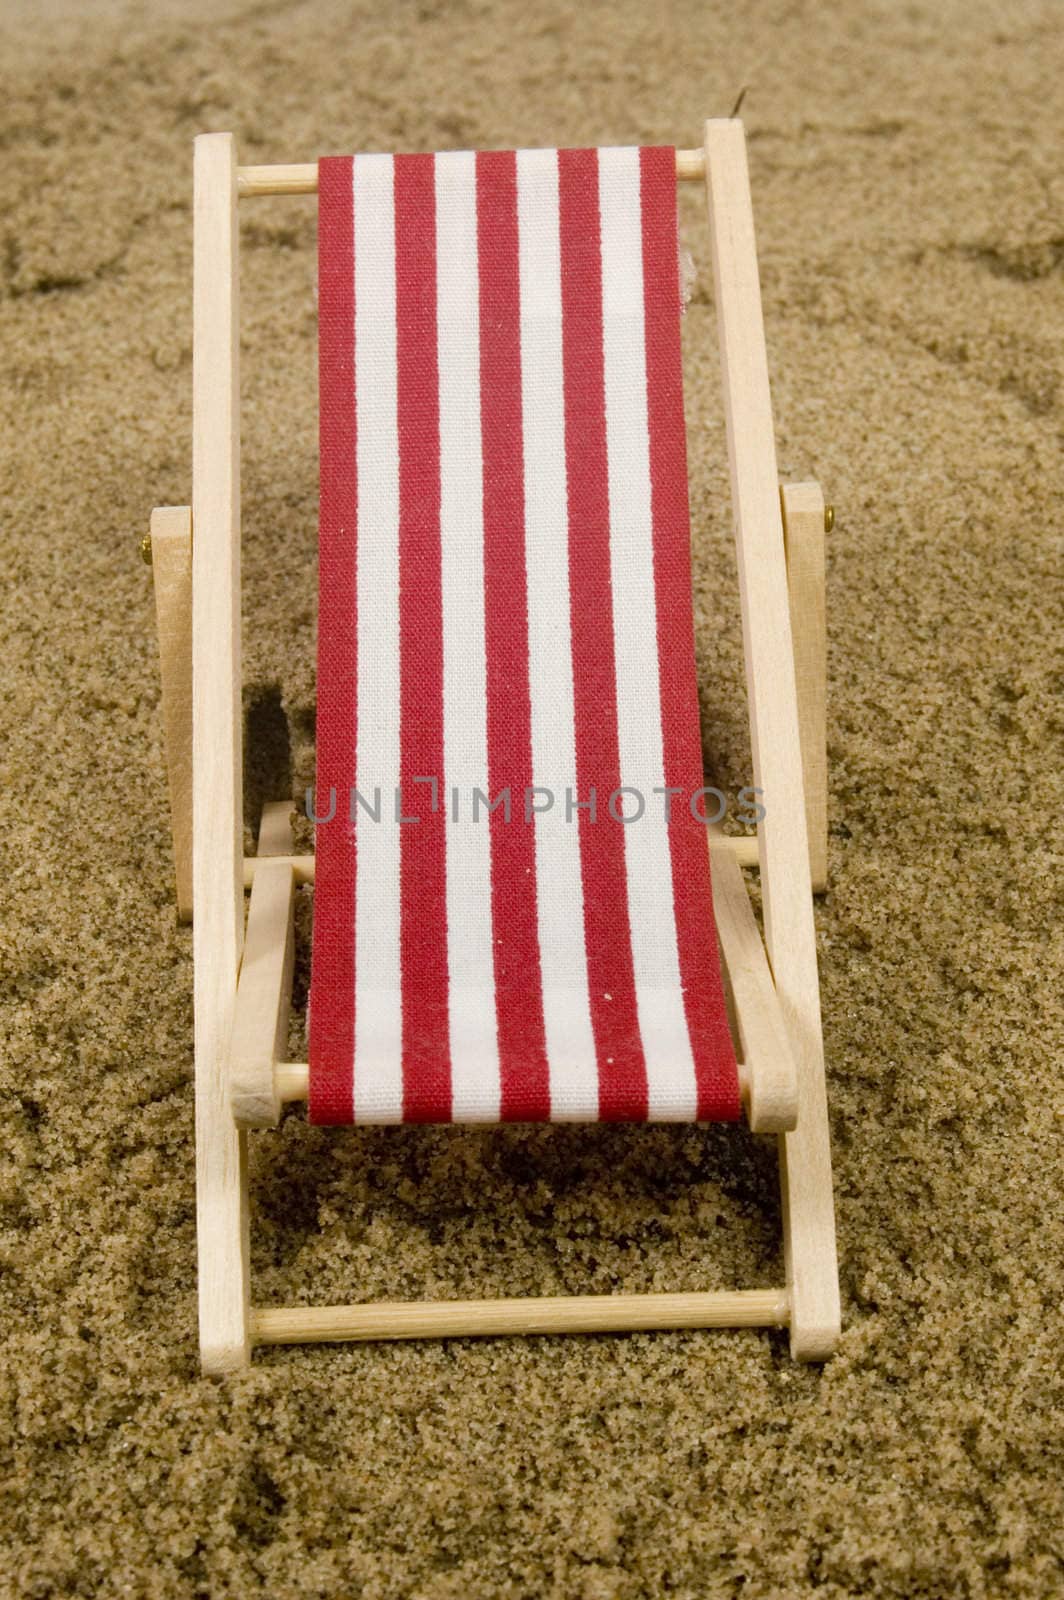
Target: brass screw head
[
  {"x": 145, "y": 549},
  {"x": 829, "y": 518}
]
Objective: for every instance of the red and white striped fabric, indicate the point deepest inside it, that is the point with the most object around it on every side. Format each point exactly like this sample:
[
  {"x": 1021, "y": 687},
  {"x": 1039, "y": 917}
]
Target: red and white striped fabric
[{"x": 506, "y": 606}]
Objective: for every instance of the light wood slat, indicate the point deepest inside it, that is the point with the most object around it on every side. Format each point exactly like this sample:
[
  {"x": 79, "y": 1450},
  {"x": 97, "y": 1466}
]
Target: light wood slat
[
  {"x": 264, "y": 991},
  {"x": 771, "y": 1080},
  {"x": 784, "y": 849},
  {"x": 171, "y": 565},
  {"x": 803, "y": 533},
  {"x": 457, "y": 1319},
  {"x": 217, "y": 799}
]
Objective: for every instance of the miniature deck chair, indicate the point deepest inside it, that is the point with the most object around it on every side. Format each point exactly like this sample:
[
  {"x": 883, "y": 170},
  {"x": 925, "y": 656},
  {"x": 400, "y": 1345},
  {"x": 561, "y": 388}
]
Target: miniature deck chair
[{"x": 505, "y": 622}]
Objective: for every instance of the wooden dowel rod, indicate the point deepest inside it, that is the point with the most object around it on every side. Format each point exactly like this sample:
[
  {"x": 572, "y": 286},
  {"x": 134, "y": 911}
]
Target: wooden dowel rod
[
  {"x": 742, "y": 846},
  {"x": 292, "y": 1081},
  {"x": 302, "y": 178},
  {"x": 302, "y": 868},
  {"x": 463, "y": 1319}
]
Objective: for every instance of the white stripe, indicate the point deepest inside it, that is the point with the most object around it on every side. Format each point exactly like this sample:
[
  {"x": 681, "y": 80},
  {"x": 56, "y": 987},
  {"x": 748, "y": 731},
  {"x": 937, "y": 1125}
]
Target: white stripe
[
  {"x": 671, "y": 1084},
  {"x": 378, "y": 1088},
  {"x": 475, "y": 1087},
  {"x": 563, "y": 958}
]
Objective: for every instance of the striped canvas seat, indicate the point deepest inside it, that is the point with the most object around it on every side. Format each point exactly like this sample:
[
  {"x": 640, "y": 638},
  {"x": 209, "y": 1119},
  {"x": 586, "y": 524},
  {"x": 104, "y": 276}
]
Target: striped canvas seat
[{"x": 512, "y": 917}]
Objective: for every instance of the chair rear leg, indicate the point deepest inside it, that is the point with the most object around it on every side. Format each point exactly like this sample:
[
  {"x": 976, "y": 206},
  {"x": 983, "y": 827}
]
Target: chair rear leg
[
  {"x": 171, "y": 560},
  {"x": 803, "y": 531}
]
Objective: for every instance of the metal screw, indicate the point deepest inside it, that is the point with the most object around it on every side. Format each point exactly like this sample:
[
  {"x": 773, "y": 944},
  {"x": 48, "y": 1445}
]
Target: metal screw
[
  {"x": 829, "y": 518},
  {"x": 145, "y": 549}
]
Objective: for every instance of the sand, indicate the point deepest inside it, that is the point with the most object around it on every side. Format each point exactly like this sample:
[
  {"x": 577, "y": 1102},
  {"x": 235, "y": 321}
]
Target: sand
[{"x": 910, "y": 200}]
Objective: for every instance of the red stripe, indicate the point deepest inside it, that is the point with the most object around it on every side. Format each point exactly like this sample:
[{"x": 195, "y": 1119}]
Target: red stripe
[
  {"x": 523, "y": 1070},
  {"x": 611, "y": 981},
  {"x": 715, "y": 1071},
  {"x": 423, "y": 864},
  {"x": 332, "y": 1017}
]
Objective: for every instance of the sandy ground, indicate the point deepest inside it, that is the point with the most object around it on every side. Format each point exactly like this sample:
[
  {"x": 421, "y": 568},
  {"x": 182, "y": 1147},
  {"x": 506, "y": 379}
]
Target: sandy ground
[{"x": 906, "y": 162}]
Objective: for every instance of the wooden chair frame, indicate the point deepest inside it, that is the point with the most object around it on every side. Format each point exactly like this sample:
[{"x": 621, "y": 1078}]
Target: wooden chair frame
[{"x": 243, "y": 976}]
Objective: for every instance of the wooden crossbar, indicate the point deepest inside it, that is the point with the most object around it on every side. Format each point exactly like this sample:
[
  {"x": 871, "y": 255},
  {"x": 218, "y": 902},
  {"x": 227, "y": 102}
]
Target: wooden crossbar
[
  {"x": 291, "y": 1081},
  {"x": 742, "y": 847},
  {"x": 302, "y": 177},
  {"x": 465, "y": 1319}
]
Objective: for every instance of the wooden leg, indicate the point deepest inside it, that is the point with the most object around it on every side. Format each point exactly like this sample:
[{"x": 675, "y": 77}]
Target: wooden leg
[
  {"x": 803, "y": 532},
  {"x": 217, "y": 779},
  {"x": 171, "y": 565},
  {"x": 805, "y": 1164}
]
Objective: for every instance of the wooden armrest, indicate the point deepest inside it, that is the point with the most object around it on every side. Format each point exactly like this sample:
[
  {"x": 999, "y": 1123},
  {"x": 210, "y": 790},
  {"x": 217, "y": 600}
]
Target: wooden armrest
[
  {"x": 771, "y": 1079},
  {"x": 264, "y": 988}
]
